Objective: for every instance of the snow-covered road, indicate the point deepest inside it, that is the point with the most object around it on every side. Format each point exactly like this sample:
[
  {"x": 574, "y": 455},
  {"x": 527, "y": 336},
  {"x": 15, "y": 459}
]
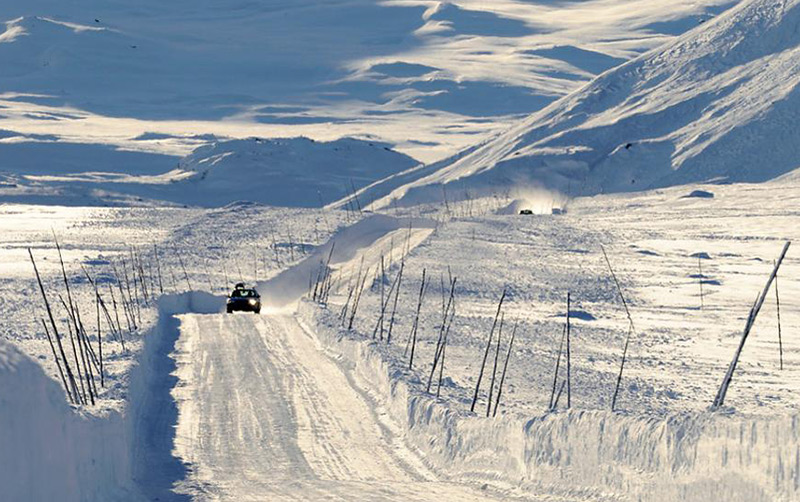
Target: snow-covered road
[{"x": 265, "y": 414}]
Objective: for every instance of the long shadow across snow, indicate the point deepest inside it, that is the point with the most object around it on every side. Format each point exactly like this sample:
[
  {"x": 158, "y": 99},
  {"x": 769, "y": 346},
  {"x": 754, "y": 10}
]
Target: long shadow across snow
[{"x": 156, "y": 470}]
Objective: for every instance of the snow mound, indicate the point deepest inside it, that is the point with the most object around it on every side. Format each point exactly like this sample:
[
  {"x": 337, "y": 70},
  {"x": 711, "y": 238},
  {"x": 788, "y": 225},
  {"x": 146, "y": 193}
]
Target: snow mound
[
  {"x": 285, "y": 172},
  {"x": 49, "y": 451},
  {"x": 718, "y": 103}
]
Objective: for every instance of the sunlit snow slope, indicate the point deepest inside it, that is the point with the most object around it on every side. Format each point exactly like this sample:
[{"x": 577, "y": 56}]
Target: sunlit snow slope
[
  {"x": 82, "y": 79},
  {"x": 719, "y": 103}
]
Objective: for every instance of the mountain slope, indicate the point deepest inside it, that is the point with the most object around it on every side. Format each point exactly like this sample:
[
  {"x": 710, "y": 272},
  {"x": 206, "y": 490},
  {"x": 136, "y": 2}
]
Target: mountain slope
[
  {"x": 719, "y": 103},
  {"x": 430, "y": 77}
]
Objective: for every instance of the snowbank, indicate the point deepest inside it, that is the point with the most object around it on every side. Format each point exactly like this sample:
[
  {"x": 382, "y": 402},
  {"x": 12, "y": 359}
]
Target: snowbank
[
  {"x": 343, "y": 247},
  {"x": 48, "y": 450},
  {"x": 588, "y": 454},
  {"x": 51, "y": 451}
]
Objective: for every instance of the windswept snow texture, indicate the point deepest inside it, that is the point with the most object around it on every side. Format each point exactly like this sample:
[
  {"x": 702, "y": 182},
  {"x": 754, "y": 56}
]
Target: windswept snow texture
[
  {"x": 719, "y": 103},
  {"x": 430, "y": 77}
]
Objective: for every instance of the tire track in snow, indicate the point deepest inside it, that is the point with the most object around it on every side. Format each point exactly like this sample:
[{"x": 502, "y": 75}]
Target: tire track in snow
[{"x": 264, "y": 414}]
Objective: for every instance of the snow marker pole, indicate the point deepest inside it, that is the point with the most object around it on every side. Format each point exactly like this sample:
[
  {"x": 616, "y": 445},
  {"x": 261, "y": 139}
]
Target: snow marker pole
[
  {"x": 505, "y": 367},
  {"x": 486, "y": 352},
  {"x": 494, "y": 369},
  {"x": 719, "y": 400}
]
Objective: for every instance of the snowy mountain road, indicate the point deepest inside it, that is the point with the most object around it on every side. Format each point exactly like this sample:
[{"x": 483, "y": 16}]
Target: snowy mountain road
[{"x": 265, "y": 414}]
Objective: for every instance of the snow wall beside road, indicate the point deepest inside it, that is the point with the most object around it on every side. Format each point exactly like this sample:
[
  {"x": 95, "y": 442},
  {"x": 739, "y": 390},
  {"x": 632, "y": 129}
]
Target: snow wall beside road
[
  {"x": 587, "y": 454},
  {"x": 52, "y": 451}
]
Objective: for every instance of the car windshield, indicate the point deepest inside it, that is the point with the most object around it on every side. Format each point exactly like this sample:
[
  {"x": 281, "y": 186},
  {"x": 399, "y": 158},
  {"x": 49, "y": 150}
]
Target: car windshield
[{"x": 244, "y": 293}]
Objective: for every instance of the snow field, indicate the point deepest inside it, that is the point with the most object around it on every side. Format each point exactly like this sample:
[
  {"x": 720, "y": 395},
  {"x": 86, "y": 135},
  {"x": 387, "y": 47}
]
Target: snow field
[
  {"x": 716, "y": 103},
  {"x": 664, "y": 444},
  {"x": 108, "y": 85}
]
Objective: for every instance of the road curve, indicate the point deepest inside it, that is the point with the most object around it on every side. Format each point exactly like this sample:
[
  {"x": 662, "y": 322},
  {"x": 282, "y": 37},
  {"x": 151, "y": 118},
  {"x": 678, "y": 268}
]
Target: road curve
[{"x": 265, "y": 414}]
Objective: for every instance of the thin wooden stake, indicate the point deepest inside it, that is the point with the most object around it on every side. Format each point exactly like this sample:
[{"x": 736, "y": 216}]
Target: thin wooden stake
[
  {"x": 58, "y": 364},
  {"x": 383, "y": 309},
  {"x": 558, "y": 365},
  {"x": 412, "y": 337},
  {"x": 778, "y": 304},
  {"x": 631, "y": 330},
  {"x": 444, "y": 351},
  {"x": 78, "y": 360},
  {"x": 358, "y": 299},
  {"x": 505, "y": 367},
  {"x": 700, "y": 278},
  {"x": 486, "y": 352},
  {"x": 558, "y": 396},
  {"x": 74, "y": 397},
  {"x": 186, "y": 274},
  {"x": 442, "y": 331},
  {"x": 494, "y": 369},
  {"x": 99, "y": 341},
  {"x": 396, "y": 296},
  {"x": 719, "y": 400},
  {"x": 569, "y": 360},
  {"x": 158, "y": 269}
]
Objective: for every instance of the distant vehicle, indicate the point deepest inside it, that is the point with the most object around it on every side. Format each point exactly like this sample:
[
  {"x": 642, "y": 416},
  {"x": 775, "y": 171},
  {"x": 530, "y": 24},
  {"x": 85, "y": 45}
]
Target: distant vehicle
[
  {"x": 525, "y": 211},
  {"x": 244, "y": 299}
]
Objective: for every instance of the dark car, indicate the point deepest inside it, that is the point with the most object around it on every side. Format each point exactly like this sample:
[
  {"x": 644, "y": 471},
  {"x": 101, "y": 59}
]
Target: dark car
[{"x": 244, "y": 299}]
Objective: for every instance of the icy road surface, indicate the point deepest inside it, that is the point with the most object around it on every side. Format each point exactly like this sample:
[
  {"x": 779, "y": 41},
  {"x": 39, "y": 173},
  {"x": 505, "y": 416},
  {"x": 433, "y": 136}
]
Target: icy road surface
[{"x": 265, "y": 414}]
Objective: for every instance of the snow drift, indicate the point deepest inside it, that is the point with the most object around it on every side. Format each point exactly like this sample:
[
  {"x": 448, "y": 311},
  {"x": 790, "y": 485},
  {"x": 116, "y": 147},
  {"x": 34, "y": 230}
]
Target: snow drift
[
  {"x": 48, "y": 451},
  {"x": 718, "y": 103},
  {"x": 51, "y": 451}
]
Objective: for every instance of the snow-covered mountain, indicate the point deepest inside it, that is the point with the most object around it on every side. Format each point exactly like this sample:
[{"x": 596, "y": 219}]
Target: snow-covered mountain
[
  {"x": 429, "y": 77},
  {"x": 719, "y": 103}
]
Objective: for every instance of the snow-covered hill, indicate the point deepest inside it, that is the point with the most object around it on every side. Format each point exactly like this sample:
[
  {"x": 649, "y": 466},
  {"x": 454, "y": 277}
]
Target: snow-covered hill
[
  {"x": 429, "y": 77},
  {"x": 290, "y": 172},
  {"x": 719, "y": 103},
  {"x": 297, "y": 172}
]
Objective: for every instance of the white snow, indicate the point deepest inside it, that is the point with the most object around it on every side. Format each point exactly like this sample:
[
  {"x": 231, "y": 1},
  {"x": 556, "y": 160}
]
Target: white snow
[
  {"x": 153, "y": 107},
  {"x": 430, "y": 77},
  {"x": 717, "y": 103}
]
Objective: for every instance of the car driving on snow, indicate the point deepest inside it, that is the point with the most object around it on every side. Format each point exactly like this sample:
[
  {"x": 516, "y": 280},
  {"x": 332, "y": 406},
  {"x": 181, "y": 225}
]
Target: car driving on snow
[{"x": 244, "y": 299}]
